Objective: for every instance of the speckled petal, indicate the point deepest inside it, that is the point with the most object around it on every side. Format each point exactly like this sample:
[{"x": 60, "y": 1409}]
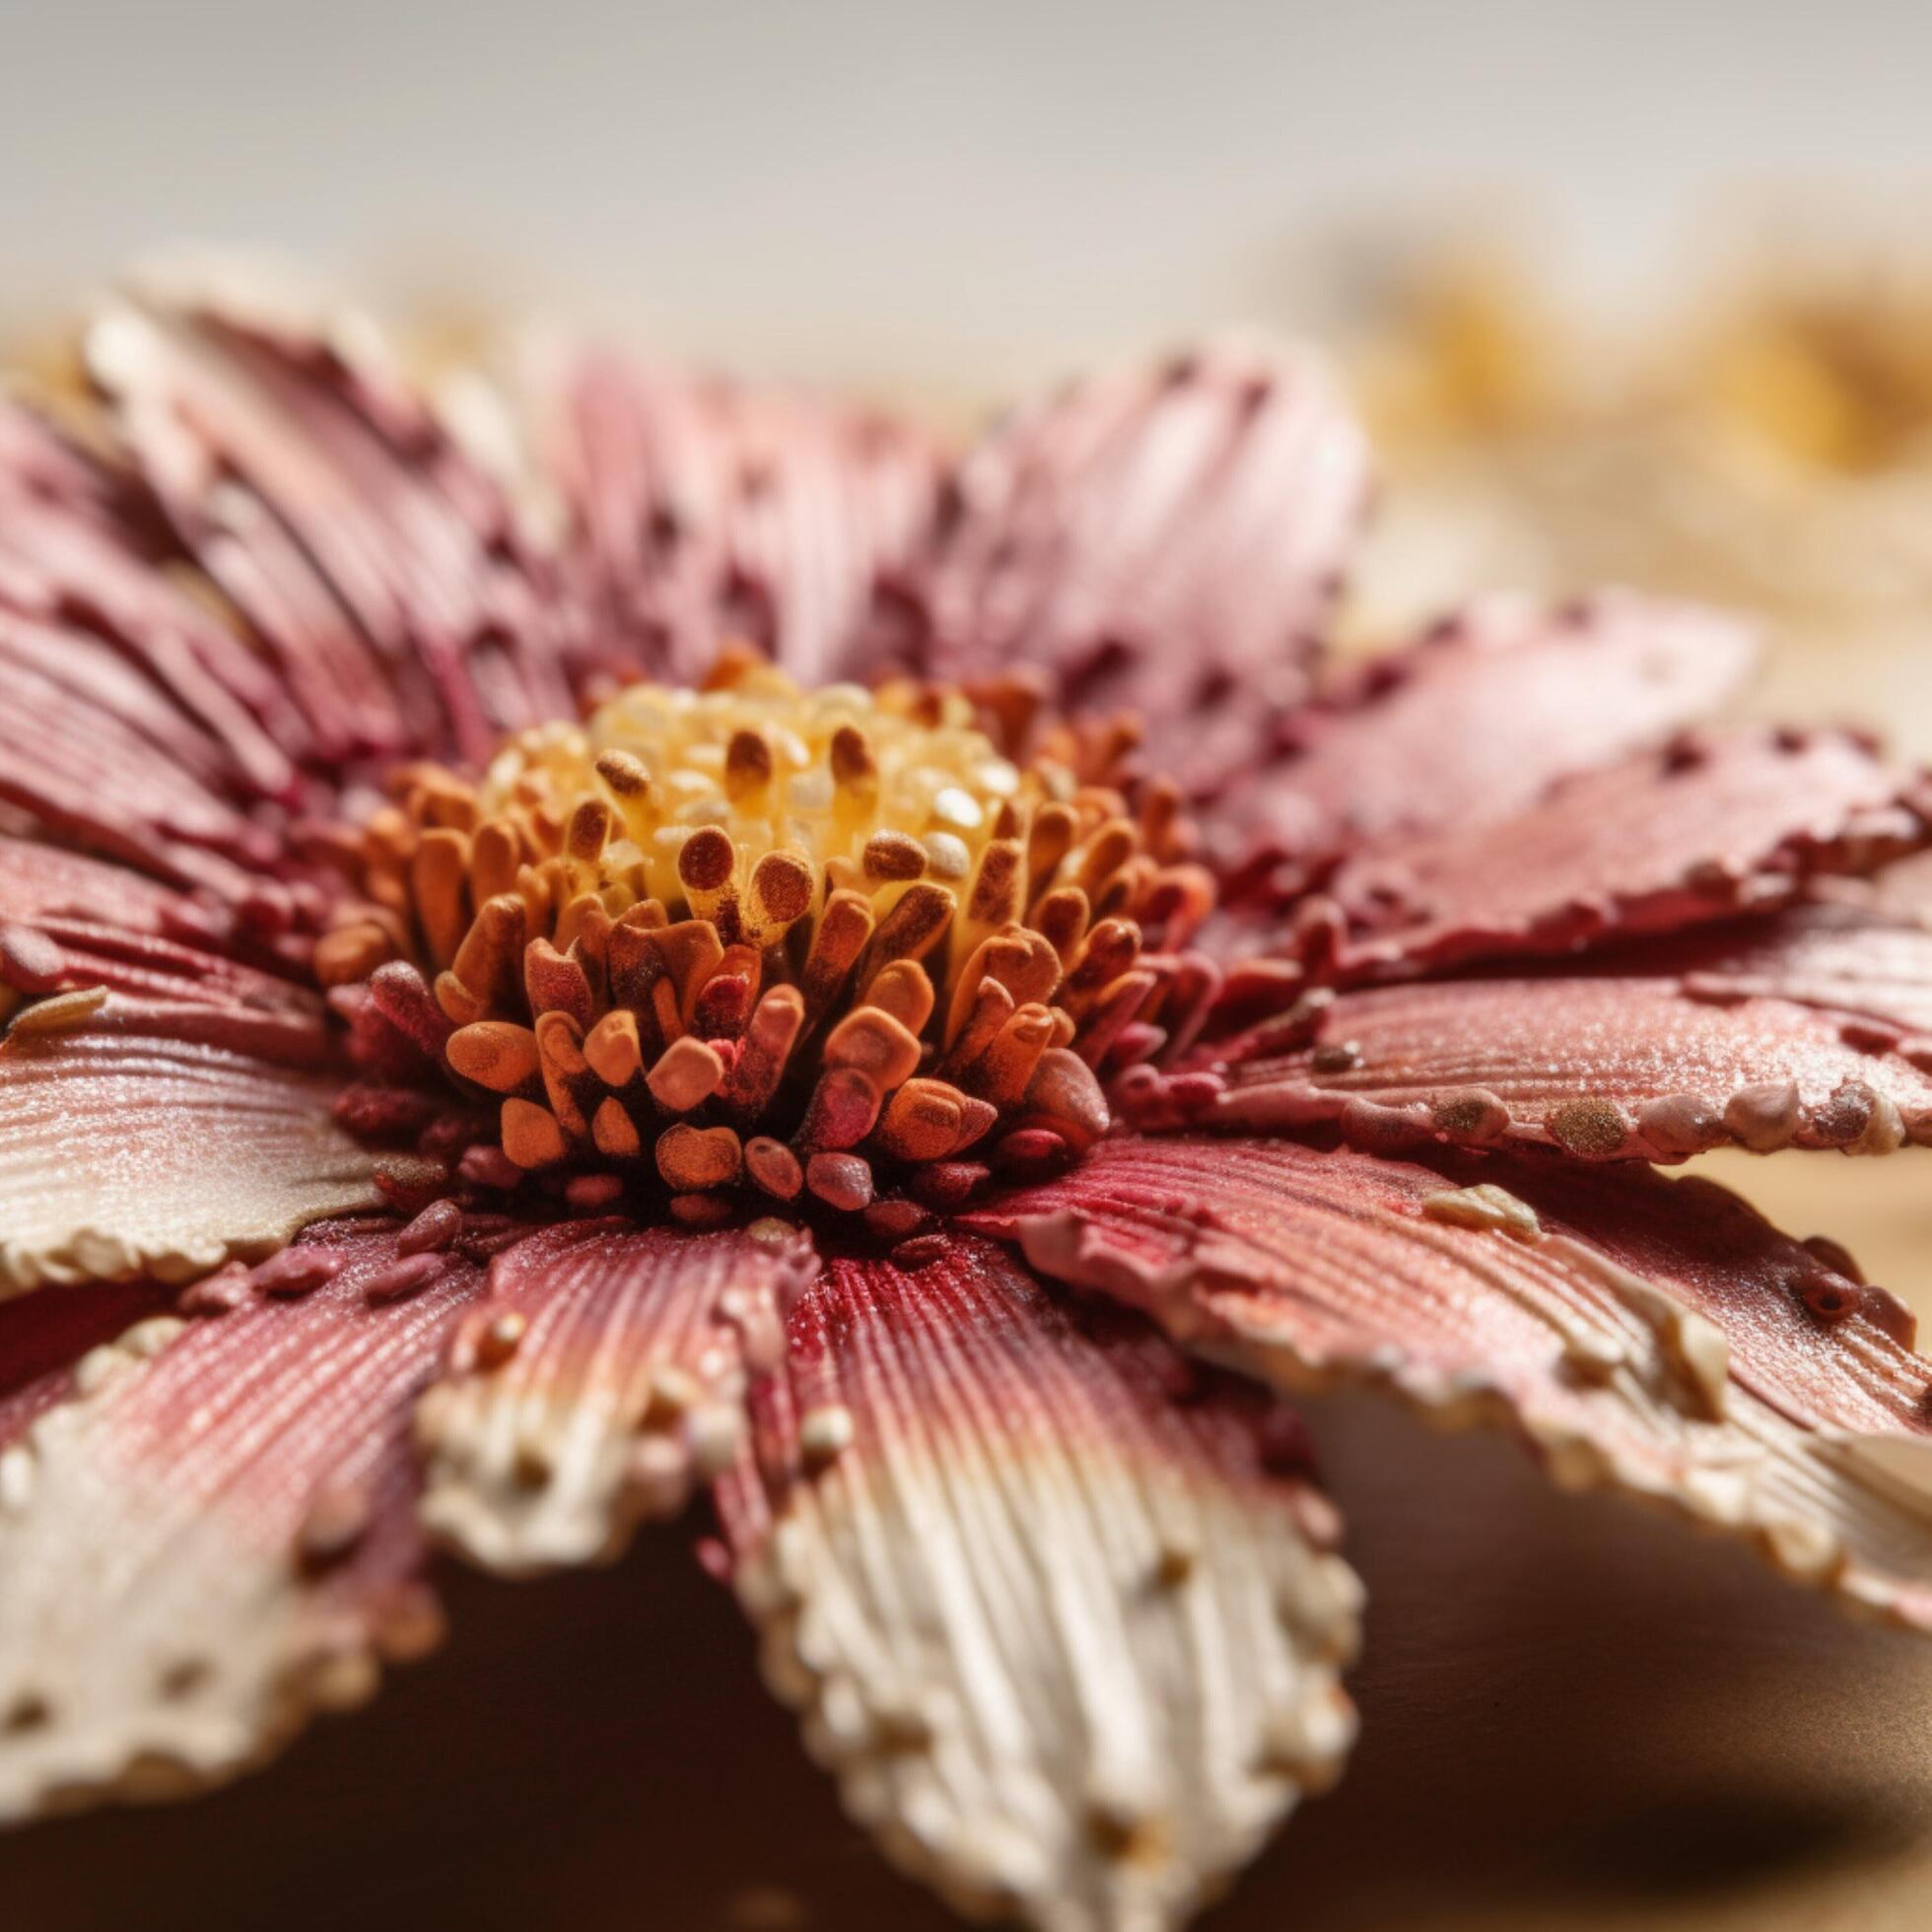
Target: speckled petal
[
  {"x": 214, "y": 1534},
  {"x": 385, "y": 571},
  {"x": 604, "y": 1370},
  {"x": 707, "y": 512},
  {"x": 125, "y": 1151},
  {"x": 1060, "y": 1610},
  {"x": 1649, "y": 1333},
  {"x": 1165, "y": 537},
  {"x": 1605, "y": 1068},
  {"x": 1477, "y": 719},
  {"x": 1713, "y": 825}
]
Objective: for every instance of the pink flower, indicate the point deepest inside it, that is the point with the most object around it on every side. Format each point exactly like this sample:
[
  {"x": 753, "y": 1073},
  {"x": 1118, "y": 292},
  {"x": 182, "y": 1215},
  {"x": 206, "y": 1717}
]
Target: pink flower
[{"x": 484, "y": 1068}]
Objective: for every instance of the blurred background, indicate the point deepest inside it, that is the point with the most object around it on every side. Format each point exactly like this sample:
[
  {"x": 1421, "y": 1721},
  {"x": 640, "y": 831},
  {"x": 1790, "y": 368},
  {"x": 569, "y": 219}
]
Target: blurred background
[{"x": 1640, "y": 290}]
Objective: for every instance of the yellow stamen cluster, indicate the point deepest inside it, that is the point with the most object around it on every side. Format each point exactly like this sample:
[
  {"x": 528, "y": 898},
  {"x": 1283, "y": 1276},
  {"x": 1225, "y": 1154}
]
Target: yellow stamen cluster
[{"x": 755, "y": 936}]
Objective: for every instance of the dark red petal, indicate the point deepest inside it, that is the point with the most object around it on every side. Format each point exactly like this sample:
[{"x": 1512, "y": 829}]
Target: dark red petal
[
  {"x": 1847, "y": 957},
  {"x": 42, "y": 1337},
  {"x": 707, "y": 512},
  {"x": 384, "y": 571},
  {"x": 1652, "y": 1333},
  {"x": 89, "y": 923},
  {"x": 1168, "y": 538},
  {"x": 1058, "y": 1609},
  {"x": 605, "y": 1368},
  {"x": 1708, "y": 827},
  {"x": 84, "y": 551},
  {"x": 99, "y": 757},
  {"x": 124, "y": 1149},
  {"x": 1476, "y": 720},
  {"x": 1604, "y": 1067},
  {"x": 215, "y": 1534}
]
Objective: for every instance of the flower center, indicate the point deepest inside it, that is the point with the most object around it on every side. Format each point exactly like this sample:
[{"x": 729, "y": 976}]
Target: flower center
[{"x": 750, "y": 939}]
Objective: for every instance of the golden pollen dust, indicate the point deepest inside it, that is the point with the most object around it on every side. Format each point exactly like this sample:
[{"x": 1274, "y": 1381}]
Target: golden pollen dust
[{"x": 756, "y": 940}]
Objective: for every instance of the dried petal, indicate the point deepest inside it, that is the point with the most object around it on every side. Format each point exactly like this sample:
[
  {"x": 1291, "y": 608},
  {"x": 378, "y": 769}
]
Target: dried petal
[
  {"x": 707, "y": 513},
  {"x": 1653, "y": 1334},
  {"x": 1071, "y": 1645},
  {"x": 42, "y": 1337},
  {"x": 1604, "y": 1067},
  {"x": 384, "y": 571},
  {"x": 1706, "y": 829},
  {"x": 606, "y": 1365},
  {"x": 1166, "y": 537},
  {"x": 1473, "y": 722},
  {"x": 215, "y": 1536},
  {"x": 124, "y": 1151},
  {"x": 1848, "y": 958}
]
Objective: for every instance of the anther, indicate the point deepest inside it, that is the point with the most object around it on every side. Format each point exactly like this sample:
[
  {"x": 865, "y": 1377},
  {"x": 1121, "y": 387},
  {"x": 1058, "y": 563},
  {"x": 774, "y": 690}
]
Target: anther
[{"x": 626, "y": 776}]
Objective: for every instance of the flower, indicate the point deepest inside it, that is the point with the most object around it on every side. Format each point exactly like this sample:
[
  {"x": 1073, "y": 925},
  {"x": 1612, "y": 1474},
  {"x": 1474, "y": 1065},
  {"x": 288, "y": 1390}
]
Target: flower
[{"x": 491, "y": 1058}]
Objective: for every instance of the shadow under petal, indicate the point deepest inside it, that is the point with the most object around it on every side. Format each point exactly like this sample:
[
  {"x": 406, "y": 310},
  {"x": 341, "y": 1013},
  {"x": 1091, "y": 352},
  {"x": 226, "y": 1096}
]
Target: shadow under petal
[{"x": 1573, "y": 1712}]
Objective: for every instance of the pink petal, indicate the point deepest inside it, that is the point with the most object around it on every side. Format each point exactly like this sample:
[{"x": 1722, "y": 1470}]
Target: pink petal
[
  {"x": 1168, "y": 538},
  {"x": 125, "y": 1151},
  {"x": 1472, "y": 723},
  {"x": 215, "y": 1534},
  {"x": 99, "y": 756},
  {"x": 1704, "y": 829},
  {"x": 1058, "y": 1610},
  {"x": 97, "y": 925},
  {"x": 383, "y": 569},
  {"x": 1653, "y": 1334},
  {"x": 605, "y": 1368},
  {"x": 84, "y": 550},
  {"x": 1607, "y": 1067},
  {"x": 1848, "y": 957},
  {"x": 42, "y": 1337},
  {"x": 707, "y": 512}
]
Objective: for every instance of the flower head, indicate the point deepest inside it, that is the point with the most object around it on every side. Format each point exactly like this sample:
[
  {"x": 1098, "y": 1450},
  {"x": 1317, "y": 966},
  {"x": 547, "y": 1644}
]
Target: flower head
[{"x": 895, "y": 1000}]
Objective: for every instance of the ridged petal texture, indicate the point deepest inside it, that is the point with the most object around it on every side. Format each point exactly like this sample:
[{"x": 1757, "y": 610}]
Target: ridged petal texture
[
  {"x": 42, "y": 1337},
  {"x": 1476, "y": 720},
  {"x": 383, "y": 569},
  {"x": 604, "y": 1370},
  {"x": 705, "y": 511},
  {"x": 1653, "y": 1334},
  {"x": 1714, "y": 825},
  {"x": 1058, "y": 1609},
  {"x": 68, "y": 923},
  {"x": 123, "y": 1150},
  {"x": 1167, "y": 536},
  {"x": 215, "y": 1533},
  {"x": 1853, "y": 958},
  {"x": 1607, "y": 1067},
  {"x": 84, "y": 558}
]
